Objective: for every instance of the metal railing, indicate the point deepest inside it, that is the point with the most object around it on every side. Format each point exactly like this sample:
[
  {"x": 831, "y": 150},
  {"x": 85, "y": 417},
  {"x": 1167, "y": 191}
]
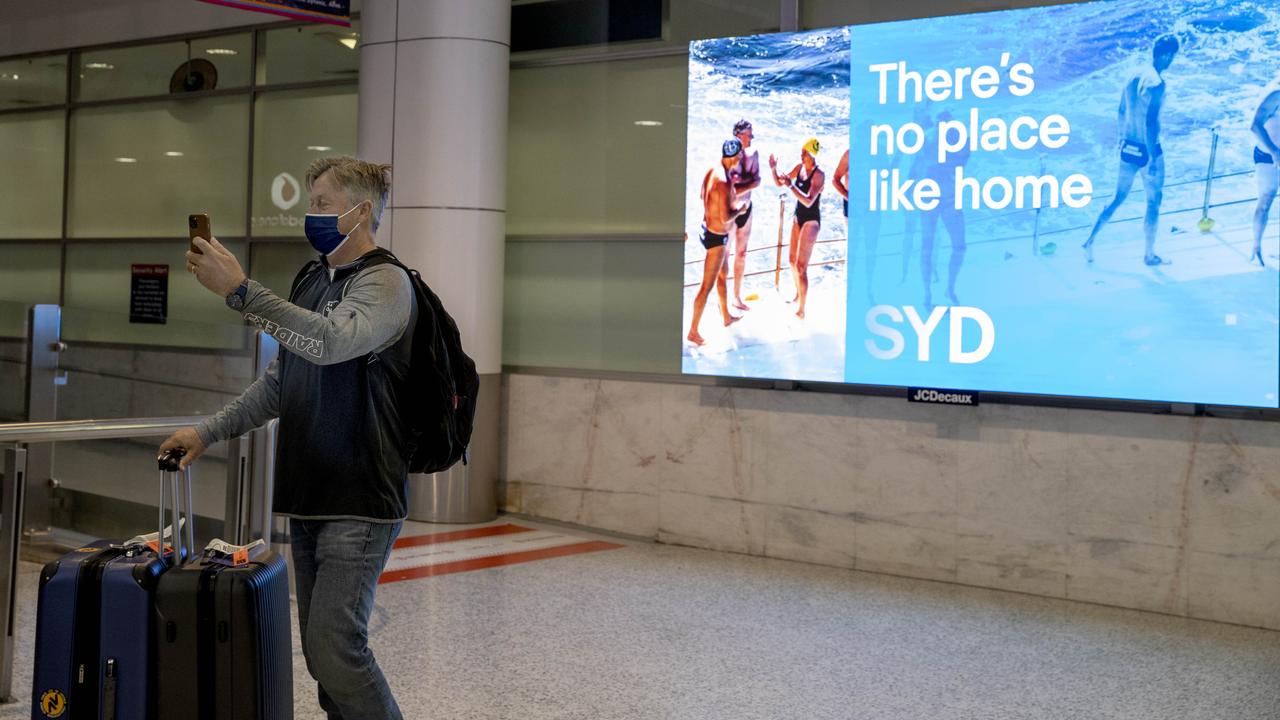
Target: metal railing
[{"x": 58, "y": 431}]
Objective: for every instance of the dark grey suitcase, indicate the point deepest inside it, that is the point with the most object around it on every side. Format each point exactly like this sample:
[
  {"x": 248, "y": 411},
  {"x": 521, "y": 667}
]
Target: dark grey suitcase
[{"x": 224, "y": 641}]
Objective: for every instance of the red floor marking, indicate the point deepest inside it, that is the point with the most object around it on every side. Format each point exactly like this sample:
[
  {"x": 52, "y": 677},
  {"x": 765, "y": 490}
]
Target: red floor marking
[
  {"x": 454, "y": 535},
  {"x": 496, "y": 561}
]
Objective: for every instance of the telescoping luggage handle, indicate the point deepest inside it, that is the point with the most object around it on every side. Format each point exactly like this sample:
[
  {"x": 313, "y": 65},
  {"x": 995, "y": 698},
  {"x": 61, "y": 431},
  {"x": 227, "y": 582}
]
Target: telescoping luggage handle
[{"x": 170, "y": 468}]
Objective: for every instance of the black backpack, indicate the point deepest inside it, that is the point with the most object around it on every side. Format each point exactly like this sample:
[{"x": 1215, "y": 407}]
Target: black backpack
[{"x": 438, "y": 396}]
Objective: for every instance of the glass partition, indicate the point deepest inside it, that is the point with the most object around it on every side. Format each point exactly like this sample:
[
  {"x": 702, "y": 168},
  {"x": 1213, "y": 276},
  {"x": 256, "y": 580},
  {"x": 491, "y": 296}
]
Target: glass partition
[
  {"x": 292, "y": 128},
  {"x": 108, "y": 488},
  {"x": 13, "y": 352},
  {"x": 308, "y": 53},
  {"x": 597, "y": 149},
  {"x": 685, "y": 20},
  {"x": 98, "y": 292},
  {"x": 211, "y": 63},
  {"x": 28, "y": 276},
  {"x": 31, "y": 150},
  {"x": 109, "y": 380},
  {"x": 139, "y": 170},
  {"x": 33, "y": 81},
  {"x": 276, "y": 264},
  {"x": 602, "y": 305},
  {"x": 699, "y": 19},
  {"x": 139, "y": 155}
]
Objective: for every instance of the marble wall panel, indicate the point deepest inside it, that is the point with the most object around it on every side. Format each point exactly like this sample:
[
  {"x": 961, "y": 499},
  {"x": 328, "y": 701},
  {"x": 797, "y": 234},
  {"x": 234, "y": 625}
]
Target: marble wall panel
[
  {"x": 1014, "y": 474},
  {"x": 591, "y": 434},
  {"x": 810, "y": 536},
  {"x": 714, "y": 442},
  {"x": 1010, "y": 556},
  {"x": 1235, "y": 589},
  {"x": 622, "y": 512},
  {"x": 1162, "y": 513},
  {"x": 1142, "y": 576},
  {"x": 1234, "y": 490},
  {"x": 1125, "y": 475},
  {"x": 909, "y": 460},
  {"x": 547, "y": 432},
  {"x": 813, "y": 458},
  {"x": 1011, "y": 503},
  {"x": 552, "y": 502},
  {"x": 625, "y": 439},
  {"x": 899, "y": 549},
  {"x": 711, "y": 522}
]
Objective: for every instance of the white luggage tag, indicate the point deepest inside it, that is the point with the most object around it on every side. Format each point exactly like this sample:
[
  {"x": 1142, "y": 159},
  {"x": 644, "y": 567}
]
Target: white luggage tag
[{"x": 150, "y": 540}]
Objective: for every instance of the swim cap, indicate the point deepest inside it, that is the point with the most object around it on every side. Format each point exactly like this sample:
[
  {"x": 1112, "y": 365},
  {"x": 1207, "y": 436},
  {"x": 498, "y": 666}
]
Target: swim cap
[
  {"x": 811, "y": 146},
  {"x": 1166, "y": 45},
  {"x": 731, "y": 148}
]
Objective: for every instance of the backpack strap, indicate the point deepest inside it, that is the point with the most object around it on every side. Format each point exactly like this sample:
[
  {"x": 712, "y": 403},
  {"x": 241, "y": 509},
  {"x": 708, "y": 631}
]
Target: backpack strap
[
  {"x": 382, "y": 256},
  {"x": 306, "y": 270}
]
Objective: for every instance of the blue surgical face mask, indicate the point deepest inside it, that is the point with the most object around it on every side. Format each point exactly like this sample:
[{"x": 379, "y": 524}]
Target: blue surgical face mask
[{"x": 323, "y": 233}]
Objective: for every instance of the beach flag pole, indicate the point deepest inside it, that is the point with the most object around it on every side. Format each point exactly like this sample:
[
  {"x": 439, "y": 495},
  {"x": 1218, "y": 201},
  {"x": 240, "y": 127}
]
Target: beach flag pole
[
  {"x": 777, "y": 265},
  {"x": 1206, "y": 223},
  {"x": 1035, "y": 232}
]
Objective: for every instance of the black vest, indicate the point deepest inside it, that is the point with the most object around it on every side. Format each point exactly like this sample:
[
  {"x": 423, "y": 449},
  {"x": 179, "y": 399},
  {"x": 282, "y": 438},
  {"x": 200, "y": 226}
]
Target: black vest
[{"x": 341, "y": 451}]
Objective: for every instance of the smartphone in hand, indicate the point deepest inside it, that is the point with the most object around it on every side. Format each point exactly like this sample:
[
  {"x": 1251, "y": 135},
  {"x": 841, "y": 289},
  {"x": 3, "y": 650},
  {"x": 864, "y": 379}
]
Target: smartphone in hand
[{"x": 198, "y": 226}]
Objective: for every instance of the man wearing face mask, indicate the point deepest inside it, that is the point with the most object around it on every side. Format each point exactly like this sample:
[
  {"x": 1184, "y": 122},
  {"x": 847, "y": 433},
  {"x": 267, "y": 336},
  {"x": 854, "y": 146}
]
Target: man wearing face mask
[{"x": 341, "y": 469}]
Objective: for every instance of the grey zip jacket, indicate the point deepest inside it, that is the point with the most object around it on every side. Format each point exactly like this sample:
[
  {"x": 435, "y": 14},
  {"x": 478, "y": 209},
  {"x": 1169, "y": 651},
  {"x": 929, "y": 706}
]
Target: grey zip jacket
[{"x": 345, "y": 342}]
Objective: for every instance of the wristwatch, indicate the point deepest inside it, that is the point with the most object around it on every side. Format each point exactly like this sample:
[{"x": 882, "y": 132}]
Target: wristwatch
[{"x": 235, "y": 300}]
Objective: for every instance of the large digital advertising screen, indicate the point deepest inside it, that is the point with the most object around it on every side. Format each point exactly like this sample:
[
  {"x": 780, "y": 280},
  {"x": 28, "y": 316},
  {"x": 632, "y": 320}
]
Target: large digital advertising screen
[{"x": 1071, "y": 200}]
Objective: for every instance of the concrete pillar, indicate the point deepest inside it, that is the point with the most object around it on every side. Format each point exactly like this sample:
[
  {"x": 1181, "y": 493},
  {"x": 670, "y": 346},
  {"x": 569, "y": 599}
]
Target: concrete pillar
[{"x": 433, "y": 103}]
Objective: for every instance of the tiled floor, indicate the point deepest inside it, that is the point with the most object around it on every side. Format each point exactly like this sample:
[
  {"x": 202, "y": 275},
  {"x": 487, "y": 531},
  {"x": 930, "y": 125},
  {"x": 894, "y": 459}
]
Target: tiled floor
[{"x": 652, "y": 631}]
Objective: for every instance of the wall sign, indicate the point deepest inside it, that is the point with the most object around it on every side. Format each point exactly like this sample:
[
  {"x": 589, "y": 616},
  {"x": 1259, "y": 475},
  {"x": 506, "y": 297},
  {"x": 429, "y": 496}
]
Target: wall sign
[
  {"x": 334, "y": 12},
  {"x": 149, "y": 294}
]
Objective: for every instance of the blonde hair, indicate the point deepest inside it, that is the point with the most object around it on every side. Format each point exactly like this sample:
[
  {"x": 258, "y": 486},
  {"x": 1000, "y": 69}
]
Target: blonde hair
[{"x": 361, "y": 180}]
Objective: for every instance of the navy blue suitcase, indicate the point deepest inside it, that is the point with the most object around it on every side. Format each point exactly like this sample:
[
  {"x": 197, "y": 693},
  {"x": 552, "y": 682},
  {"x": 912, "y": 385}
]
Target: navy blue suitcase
[
  {"x": 92, "y": 656},
  {"x": 94, "y": 647}
]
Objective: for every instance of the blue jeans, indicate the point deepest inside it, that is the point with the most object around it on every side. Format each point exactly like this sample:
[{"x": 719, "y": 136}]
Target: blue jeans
[{"x": 337, "y": 564}]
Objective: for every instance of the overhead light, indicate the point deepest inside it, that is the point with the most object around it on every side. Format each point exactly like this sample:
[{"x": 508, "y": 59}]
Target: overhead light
[
  {"x": 350, "y": 42},
  {"x": 173, "y": 153},
  {"x": 222, "y": 51},
  {"x": 126, "y": 160},
  {"x": 648, "y": 123},
  {"x": 99, "y": 66},
  {"x": 319, "y": 148}
]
